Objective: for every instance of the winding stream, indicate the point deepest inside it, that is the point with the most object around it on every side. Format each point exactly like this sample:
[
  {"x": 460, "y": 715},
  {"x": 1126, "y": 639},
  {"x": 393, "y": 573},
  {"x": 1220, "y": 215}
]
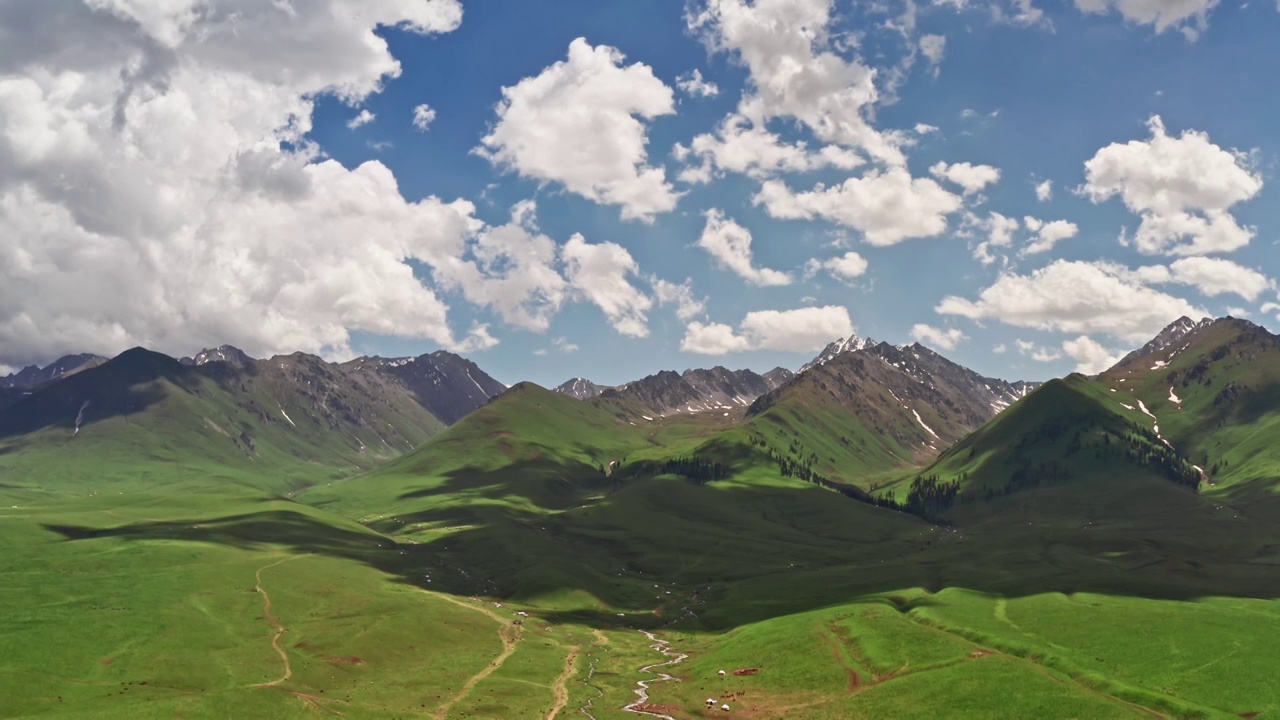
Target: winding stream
[{"x": 642, "y": 692}]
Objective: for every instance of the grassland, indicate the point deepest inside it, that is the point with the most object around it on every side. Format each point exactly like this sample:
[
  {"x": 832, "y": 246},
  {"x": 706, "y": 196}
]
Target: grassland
[{"x": 144, "y": 586}]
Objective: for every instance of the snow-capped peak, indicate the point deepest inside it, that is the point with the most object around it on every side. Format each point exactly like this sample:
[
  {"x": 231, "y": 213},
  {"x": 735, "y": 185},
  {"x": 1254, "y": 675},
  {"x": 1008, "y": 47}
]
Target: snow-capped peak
[{"x": 853, "y": 343}]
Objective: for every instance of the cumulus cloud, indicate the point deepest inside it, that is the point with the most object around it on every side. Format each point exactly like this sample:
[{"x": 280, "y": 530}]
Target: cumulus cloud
[
  {"x": 599, "y": 274},
  {"x": 1077, "y": 297},
  {"x": 933, "y": 47},
  {"x": 512, "y": 269},
  {"x": 156, "y": 186},
  {"x": 845, "y": 267},
  {"x": 1044, "y": 190},
  {"x": 1039, "y": 353},
  {"x": 1190, "y": 17},
  {"x": 1212, "y": 277},
  {"x": 730, "y": 244},
  {"x": 887, "y": 207},
  {"x": 364, "y": 118},
  {"x": 1182, "y": 188},
  {"x": 794, "y": 72},
  {"x": 973, "y": 178},
  {"x": 999, "y": 230},
  {"x": 1090, "y": 355},
  {"x": 943, "y": 339},
  {"x": 738, "y": 146},
  {"x": 688, "y": 306},
  {"x": 423, "y": 116},
  {"x": 693, "y": 84},
  {"x": 803, "y": 330},
  {"x": 1047, "y": 234},
  {"x": 580, "y": 123}
]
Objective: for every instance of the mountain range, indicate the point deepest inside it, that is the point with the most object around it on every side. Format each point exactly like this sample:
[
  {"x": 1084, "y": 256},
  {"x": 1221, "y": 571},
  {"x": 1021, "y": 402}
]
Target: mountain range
[{"x": 884, "y": 516}]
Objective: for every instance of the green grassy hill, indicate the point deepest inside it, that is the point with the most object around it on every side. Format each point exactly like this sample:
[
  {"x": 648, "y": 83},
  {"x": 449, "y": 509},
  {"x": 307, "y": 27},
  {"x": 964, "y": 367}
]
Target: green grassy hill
[
  {"x": 278, "y": 427},
  {"x": 506, "y": 567}
]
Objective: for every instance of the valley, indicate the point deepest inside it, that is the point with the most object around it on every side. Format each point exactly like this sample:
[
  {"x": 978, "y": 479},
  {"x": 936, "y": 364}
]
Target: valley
[{"x": 884, "y": 534}]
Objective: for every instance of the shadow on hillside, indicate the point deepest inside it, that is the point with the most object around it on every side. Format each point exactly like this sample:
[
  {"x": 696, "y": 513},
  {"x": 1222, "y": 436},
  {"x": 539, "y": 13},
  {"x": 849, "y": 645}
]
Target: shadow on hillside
[
  {"x": 125, "y": 385},
  {"x": 665, "y": 550}
]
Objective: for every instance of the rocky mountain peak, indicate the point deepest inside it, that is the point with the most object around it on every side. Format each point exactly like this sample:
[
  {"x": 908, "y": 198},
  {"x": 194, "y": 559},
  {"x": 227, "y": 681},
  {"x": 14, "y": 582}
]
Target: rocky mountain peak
[
  {"x": 853, "y": 343},
  {"x": 580, "y": 388},
  {"x": 222, "y": 353}
]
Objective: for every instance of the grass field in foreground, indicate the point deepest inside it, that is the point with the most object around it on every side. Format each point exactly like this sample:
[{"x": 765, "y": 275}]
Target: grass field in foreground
[{"x": 172, "y": 591}]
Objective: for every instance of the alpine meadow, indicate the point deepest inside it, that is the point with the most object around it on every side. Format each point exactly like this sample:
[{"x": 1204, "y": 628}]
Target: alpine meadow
[{"x": 373, "y": 359}]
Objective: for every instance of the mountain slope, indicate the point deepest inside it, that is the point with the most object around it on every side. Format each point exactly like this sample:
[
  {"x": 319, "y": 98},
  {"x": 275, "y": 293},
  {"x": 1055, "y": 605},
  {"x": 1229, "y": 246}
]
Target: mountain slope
[
  {"x": 580, "y": 389},
  {"x": 447, "y": 385},
  {"x": 875, "y": 409},
  {"x": 1213, "y": 390},
  {"x": 286, "y": 421},
  {"x": 34, "y": 376},
  {"x": 694, "y": 391}
]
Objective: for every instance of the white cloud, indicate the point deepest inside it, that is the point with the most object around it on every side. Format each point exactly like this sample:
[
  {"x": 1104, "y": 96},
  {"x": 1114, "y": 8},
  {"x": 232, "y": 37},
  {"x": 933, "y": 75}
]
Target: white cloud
[
  {"x": 849, "y": 266},
  {"x": 973, "y": 178},
  {"x": 925, "y": 128},
  {"x": 730, "y": 244},
  {"x": 423, "y": 116},
  {"x": 563, "y": 345},
  {"x": 887, "y": 207},
  {"x": 1190, "y": 17},
  {"x": 1036, "y": 352},
  {"x": 803, "y": 330},
  {"x": 579, "y": 123},
  {"x": 933, "y": 47},
  {"x": 740, "y": 147},
  {"x": 1044, "y": 191},
  {"x": 1215, "y": 276},
  {"x": 694, "y": 84},
  {"x": 364, "y": 118},
  {"x": 1077, "y": 297},
  {"x": 599, "y": 274},
  {"x": 1182, "y": 188},
  {"x": 937, "y": 337},
  {"x": 668, "y": 293},
  {"x": 477, "y": 339},
  {"x": 999, "y": 229},
  {"x": 712, "y": 339},
  {"x": 157, "y": 187},
  {"x": 512, "y": 270},
  {"x": 786, "y": 48},
  {"x": 1090, "y": 355},
  {"x": 1047, "y": 234}
]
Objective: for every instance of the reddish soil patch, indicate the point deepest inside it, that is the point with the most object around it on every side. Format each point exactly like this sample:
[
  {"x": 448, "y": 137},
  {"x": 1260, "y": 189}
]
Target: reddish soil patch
[
  {"x": 747, "y": 671},
  {"x": 1250, "y": 715},
  {"x": 980, "y": 653},
  {"x": 106, "y": 661},
  {"x": 659, "y": 709},
  {"x": 303, "y": 646},
  {"x": 346, "y": 660},
  {"x": 854, "y": 681}
]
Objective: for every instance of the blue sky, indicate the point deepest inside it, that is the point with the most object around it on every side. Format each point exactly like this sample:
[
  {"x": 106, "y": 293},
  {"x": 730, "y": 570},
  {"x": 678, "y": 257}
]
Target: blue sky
[{"x": 1162, "y": 221}]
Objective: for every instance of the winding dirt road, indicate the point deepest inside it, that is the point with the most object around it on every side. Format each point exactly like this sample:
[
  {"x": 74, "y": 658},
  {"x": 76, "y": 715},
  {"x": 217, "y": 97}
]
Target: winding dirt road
[
  {"x": 560, "y": 688},
  {"x": 509, "y": 634},
  {"x": 274, "y": 622}
]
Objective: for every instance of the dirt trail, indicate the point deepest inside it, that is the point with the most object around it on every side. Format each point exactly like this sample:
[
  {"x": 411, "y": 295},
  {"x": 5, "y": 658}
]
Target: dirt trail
[
  {"x": 274, "y": 622},
  {"x": 509, "y": 634},
  {"x": 560, "y": 689},
  {"x": 589, "y": 706},
  {"x": 642, "y": 692}
]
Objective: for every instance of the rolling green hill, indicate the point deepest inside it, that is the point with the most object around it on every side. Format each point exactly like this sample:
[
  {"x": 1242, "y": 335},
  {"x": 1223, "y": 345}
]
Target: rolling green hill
[
  {"x": 276, "y": 425},
  {"x": 506, "y": 566}
]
